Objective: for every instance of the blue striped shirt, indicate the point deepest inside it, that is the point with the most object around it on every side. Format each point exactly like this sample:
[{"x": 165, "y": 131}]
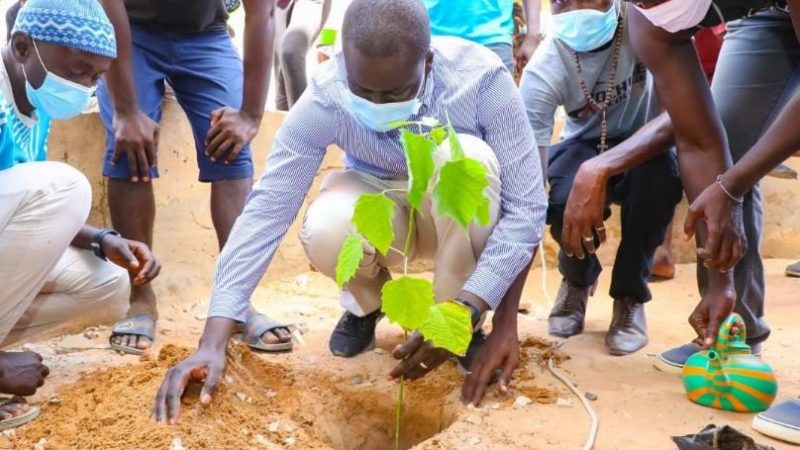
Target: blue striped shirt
[{"x": 466, "y": 84}]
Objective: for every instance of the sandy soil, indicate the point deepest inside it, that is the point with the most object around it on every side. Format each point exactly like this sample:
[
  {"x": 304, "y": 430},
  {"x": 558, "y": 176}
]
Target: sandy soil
[{"x": 309, "y": 399}]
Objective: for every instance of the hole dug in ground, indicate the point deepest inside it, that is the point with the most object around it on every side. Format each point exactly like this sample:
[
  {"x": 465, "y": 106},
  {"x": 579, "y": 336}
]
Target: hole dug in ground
[{"x": 260, "y": 404}]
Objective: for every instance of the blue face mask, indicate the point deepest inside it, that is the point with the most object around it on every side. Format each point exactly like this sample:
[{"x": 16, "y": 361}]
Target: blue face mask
[
  {"x": 585, "y": 30},
  {"x": 381, "y": 117},
  {"x": 57, "y": 97}
]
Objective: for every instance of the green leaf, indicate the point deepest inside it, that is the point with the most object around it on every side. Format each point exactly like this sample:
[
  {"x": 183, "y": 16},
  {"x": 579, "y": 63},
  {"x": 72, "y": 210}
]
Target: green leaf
[
  {"x": 407, "y": 301},
  {"x": 419, "y": 158},
  {"x": 456, "y": 150},
  {"x": 373, "y": 219},
  {"x": 459, "y": 192},
  {"x": 349, "y": 258},
  {"x": 449, "y": 326},
  {"x": 438, "y": 134},
  {"x": 483, "y": 216}
]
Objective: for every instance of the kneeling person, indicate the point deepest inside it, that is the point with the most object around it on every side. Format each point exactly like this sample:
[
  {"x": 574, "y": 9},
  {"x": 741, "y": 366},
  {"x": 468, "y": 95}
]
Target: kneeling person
[
  {"x": 390, "y": 71},
  {"x": 588, "y": 66},
  {"x": 54, "y": 266}
]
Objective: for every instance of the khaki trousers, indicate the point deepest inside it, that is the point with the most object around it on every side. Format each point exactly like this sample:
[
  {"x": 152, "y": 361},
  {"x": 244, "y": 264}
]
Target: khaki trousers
[
  {"x": 46, "y": 283},
  {"x": 453, "y": 250}
]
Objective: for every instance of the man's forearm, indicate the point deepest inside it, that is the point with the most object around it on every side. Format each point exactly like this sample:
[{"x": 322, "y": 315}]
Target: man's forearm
[
  {"x": 533, "y": 14},
  {"x": 84, "y": 237},
  {"x": 216, "y": 333},
  {"x": 653, "y": 139},
  {"x": 781, "y": 140},
  {"x": 119, "y": 78},
  {"x": 259, "y": 32}
]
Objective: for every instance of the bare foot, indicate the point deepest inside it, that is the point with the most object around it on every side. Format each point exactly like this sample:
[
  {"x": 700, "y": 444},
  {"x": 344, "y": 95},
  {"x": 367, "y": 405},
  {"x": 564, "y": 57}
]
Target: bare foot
[
  {"x": 14, "y": 407},
  {"x": 143, "y": 302},
  {"x": 663, "y": 264}
]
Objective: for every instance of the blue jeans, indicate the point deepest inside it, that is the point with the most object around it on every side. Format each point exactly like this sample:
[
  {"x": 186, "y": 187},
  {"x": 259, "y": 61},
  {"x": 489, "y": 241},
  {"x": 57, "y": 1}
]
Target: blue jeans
[
  {"x": 757, "y": 73},
  {"x": 506, "y": 54},
  {"x": 205, "y": 72}
]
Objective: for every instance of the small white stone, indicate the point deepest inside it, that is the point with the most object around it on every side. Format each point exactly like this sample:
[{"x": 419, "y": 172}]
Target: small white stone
[
  {"x": 289, "y": 428},
  {"x": 563, "y": 402},
  {"x": 495, "y": 406},
  {"x": 290, "y": 441},
  {"x": 474, "y": 440},
  {"x": 242, "y": 396},
  {"x": 262, "y": 440},
  {"x": 228, "y": 379},
  {"x": 301, "y": 281},
  {"x": 522, "y": 402},
  {"x": 41, "y": 444},
  {"x": 200, "y": 316},
  {"x": 474, "y": 420},
  {"x": 54, "y": 400},
  {"x": 273, "y": 427},
  {"x": 380, "y": 351},
  {"x": 177, "y": 444}
]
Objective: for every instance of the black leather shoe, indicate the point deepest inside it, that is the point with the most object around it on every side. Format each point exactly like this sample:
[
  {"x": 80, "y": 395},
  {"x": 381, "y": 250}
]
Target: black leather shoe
[
  {"x": 353, "y": 334},
  {"x": 566, "y": 318},
  {"x": 628, "y": 330}
]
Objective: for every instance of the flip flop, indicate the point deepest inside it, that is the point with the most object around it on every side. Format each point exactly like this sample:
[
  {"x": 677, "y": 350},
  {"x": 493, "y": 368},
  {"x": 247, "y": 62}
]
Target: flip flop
[
  {"x": 255, "y": 327},
  {"x": 19, "y": 420},
  {"x": 141, "y": 325}
]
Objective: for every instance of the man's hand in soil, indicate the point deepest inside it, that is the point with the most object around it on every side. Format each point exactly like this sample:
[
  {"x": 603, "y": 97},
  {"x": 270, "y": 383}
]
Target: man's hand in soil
[
  {"x": 21, "y": 373},
  {"x": 133, "y": 256},
  {"x": 499, "y": 352},
  {"x": 136, "y": 136},
  {"x": 231, "y": 130},
  {"x": 583, "y": 215},
  {"x": 725, "y": 241},
  {"x": 419, "y": 358},
  {"x": 206, "y": 365},
  {"x": 715, "y": 306}
]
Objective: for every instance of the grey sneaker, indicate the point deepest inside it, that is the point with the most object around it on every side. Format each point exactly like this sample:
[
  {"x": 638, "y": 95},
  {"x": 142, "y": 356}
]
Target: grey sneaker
[
  {"x": 782, "y": 421},
  {"x": 568, "y": 313},
  {"x": 672, "y": 360},
  {"x": 793, "y": 270}
]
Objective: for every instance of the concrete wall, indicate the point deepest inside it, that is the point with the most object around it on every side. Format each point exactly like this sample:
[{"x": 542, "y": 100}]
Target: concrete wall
[{"x": 184, "y": 237}]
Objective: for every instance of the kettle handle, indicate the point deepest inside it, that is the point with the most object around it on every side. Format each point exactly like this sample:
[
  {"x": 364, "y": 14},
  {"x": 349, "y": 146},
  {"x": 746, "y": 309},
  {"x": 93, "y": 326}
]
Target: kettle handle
[{"x": 725, "y": 339}]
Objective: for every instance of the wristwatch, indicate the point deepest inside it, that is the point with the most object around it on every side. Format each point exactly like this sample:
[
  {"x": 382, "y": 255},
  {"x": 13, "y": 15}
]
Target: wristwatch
[
  {"x": 475, "y": 315},
  {"x": 97, "y": 242}
]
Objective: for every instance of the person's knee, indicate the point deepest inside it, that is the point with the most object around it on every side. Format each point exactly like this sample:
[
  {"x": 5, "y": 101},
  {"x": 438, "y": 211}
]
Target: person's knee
[
  {"x": 293, "y": 51},
  {"x": 326, "y": 225},
  {"x": 69, "y": 192}
]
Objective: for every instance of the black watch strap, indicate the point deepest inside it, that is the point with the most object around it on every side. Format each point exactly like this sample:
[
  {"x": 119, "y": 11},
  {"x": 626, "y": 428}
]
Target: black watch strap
[
  {"x": 97, "y": 242},
  {"x": 475, "y": 315}
]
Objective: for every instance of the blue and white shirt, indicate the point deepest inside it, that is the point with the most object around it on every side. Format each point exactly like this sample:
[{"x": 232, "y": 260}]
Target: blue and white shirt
[
  {"x": 466, "y": 84},
  {"x": 22, "y": 138}
]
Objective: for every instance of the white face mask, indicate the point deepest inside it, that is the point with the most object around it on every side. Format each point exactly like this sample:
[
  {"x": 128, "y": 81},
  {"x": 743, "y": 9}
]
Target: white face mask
[{"x": 677, "y": 15}]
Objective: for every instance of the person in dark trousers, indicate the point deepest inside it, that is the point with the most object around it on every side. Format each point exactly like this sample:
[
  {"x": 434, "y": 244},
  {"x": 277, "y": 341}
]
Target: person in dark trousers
[{"x": 587, "y": 65}]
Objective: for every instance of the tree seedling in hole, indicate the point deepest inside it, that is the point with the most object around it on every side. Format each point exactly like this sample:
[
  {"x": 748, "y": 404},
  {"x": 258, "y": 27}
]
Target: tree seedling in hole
[{"x": 458, "y": 192}]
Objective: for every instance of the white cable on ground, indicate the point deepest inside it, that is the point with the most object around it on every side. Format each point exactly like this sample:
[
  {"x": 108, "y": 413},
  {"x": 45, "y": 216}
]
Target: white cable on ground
[{"x": 589, "y": 445}]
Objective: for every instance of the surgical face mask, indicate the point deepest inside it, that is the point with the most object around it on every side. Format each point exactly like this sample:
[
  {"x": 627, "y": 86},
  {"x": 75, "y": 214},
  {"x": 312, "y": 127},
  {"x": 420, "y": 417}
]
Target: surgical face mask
[
  {"x": 677, "y": 15},
  {"x": 381, "y": 117},
  {"x": 57, "y": 97},
  {"x": 585, "y": 30}
]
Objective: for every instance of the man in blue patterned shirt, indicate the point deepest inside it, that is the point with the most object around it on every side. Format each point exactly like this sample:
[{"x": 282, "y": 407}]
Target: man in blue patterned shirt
[{"x": 390, "y": 70}]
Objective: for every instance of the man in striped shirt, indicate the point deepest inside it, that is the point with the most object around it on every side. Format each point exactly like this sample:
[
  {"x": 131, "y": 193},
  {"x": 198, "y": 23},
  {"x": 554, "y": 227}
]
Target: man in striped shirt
[{"x": 388, "y": 62}]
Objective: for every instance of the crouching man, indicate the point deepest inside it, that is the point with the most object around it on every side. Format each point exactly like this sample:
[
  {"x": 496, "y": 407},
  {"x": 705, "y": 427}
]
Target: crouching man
[
  {"x": 389, "y": 71},
  {"x": 54, "y": 267}
]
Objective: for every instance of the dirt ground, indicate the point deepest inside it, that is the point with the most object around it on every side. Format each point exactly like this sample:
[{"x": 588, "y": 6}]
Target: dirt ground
[{"x": 96, "y": 399}]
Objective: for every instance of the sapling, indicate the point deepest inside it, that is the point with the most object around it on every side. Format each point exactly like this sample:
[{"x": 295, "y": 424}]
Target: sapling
[{"x": 458, "y": 193}]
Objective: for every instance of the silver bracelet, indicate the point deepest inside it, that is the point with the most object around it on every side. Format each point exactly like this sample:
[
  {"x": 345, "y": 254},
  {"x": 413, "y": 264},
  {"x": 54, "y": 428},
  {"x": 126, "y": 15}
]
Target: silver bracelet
[{"x": 725, "y": 190}]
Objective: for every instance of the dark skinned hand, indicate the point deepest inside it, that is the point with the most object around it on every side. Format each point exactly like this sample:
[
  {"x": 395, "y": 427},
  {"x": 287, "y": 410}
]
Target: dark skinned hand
[
  {"x": 583, "y": 215},
  {"x": 136, "y": 136},
  {"x": 415, "y": 352},
  {"x": 525, "y": 51},
  {"x": 21, "y": 373},
  {"x": 206, "y": 366},
  {"x": 231, "y": 129},
  {"x": 133, "y": 256},
  {"x": 726, "y": 242},
  {"x": 709, "y": 314},
  {"x": 501, "y": 350}
]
